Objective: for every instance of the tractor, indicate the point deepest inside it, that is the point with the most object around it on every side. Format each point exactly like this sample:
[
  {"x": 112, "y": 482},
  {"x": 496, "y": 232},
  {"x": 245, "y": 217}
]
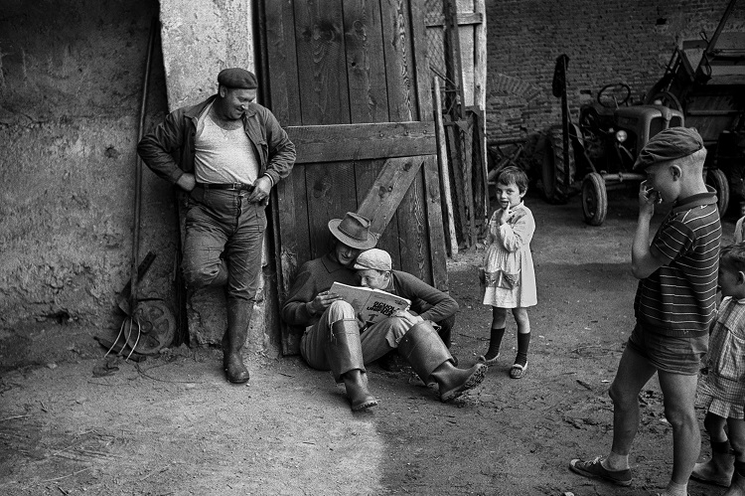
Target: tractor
[
  {"x": 705, "y": 80},
  {"x": 597, "y": 154}
]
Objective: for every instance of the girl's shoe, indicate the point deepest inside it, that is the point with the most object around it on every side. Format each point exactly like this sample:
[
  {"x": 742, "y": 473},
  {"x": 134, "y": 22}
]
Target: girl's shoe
[
  {"x": 517, "y": 371},
  {"x": 488, "y": 361}
]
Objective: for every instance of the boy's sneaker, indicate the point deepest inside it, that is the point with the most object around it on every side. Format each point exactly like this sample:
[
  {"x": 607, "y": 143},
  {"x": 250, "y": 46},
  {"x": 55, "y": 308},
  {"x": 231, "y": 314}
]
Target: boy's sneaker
[{"x": 594, "y": 468}]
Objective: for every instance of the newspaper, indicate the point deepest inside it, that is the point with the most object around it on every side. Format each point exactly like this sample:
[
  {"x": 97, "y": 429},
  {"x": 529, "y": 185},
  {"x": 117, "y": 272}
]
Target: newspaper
[{"x": 371, "y": 305}]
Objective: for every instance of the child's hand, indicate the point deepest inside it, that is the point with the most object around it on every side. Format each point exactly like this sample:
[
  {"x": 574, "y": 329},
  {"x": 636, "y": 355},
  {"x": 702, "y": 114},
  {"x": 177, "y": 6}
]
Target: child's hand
[
  {"x": 648, "y": 198},
  {"x": 505, "y": 215}
]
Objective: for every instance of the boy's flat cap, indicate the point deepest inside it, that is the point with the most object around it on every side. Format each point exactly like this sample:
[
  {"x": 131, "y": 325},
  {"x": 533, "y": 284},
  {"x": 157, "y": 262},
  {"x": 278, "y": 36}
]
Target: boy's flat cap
[
  {"x": 672, "y": 143},
  {"x": 237, "y": 78},
  {"x": 374, "y": 258}
]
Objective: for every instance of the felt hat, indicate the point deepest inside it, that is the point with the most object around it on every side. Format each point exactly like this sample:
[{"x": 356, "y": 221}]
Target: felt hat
[
  {"x": 670, "y": 144},
  {"x": 354, "y": 231},
  {"x": 237, "y": 78},
  {"x": 374, "y": 258}
]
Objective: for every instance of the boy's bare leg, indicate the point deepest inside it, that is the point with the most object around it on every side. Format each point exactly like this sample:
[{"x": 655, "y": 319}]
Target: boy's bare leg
[
  {"x": 633, "y": 373},
  {"x": 679, "y": 395}
]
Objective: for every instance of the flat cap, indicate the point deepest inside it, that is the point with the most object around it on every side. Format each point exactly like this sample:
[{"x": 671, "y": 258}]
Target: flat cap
[
  {"x": 672, "y": 143},
  {"x": 374, "y": 258},
  {"x": 237, "y": 78}
]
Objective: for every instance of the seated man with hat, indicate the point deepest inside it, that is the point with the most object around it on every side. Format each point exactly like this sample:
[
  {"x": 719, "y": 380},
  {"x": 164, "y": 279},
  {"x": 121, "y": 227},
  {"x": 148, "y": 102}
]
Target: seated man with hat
[{"x": 332, "y": 338}]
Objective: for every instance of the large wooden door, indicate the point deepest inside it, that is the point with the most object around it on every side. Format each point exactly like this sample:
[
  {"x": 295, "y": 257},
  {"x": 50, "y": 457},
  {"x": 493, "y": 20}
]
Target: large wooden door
[{"x": 349, "y": 80}]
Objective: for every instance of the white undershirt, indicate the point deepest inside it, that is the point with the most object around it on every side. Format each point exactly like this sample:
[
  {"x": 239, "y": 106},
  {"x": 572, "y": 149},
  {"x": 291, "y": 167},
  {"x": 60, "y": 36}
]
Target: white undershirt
[{"x": 222, "y": 156}]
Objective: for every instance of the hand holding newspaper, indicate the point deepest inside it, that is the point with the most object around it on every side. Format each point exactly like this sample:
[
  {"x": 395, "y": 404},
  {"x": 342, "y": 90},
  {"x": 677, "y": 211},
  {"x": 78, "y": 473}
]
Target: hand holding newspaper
[{"x": 371, "y": 305}]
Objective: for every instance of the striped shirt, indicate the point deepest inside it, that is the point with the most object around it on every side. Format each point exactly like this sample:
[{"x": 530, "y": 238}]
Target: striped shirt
[{"x": 679, "y": 298}]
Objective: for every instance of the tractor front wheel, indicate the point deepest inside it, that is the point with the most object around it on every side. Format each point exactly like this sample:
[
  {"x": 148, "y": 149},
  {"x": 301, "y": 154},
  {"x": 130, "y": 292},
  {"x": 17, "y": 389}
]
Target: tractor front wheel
[
  {"x": 594, "y": 199},
  {"x": 555, "y": 170},
  {"x": 718, "y": 180}
]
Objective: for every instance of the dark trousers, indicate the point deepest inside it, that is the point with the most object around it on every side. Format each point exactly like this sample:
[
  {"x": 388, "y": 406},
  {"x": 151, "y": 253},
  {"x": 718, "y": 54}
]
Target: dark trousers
[{"x": 223, "y": 242}]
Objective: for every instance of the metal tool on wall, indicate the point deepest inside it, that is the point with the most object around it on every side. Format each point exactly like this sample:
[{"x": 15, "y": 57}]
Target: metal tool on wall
[{"x": 149, "y": 324}]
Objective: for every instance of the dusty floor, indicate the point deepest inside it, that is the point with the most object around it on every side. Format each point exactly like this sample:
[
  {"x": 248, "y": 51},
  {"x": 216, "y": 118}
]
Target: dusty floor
[{"x": 173, "y": 426}]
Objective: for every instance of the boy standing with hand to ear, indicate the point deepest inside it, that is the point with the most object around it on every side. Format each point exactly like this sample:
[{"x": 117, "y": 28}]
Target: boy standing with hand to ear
[{"x": 675, "y": 304}]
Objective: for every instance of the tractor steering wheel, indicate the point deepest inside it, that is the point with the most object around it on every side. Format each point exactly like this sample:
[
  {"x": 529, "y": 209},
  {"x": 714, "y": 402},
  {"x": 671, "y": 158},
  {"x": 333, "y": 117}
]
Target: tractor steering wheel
[{"x": 610, "y": 95}]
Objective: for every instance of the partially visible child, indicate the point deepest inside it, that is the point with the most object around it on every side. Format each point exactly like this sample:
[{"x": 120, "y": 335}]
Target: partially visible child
[
  {"x": 509, "y": 276},
  {"x": 722, "y": 390},
  {"x": 739, "y": 234}
]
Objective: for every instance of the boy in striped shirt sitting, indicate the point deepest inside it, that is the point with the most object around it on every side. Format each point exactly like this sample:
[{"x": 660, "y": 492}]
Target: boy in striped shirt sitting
[{"x": 675, "y": 304}]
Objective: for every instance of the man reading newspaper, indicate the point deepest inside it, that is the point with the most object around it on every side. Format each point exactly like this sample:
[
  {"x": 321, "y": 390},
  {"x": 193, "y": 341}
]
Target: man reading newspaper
[
  {"x": 332, "y": 339},
  {"x": 371, "y": 304}
]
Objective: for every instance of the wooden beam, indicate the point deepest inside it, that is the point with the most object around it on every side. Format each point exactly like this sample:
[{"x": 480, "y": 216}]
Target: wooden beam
[
  {"x": 337, "y": 142},
  {"x": 479, "y": 99},
  {"x": 435, "y": 20},
  {"x": 388, "y": 190},
  {"x": 442, "y": 154}
]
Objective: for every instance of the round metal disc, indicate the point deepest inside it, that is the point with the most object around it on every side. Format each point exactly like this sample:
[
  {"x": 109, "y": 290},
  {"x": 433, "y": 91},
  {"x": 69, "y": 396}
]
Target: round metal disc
[{"x": 157, "y": 326}]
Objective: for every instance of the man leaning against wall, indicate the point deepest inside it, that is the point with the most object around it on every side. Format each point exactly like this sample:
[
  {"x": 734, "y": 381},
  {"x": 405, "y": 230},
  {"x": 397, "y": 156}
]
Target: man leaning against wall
[{"x": 226, "y": 152}]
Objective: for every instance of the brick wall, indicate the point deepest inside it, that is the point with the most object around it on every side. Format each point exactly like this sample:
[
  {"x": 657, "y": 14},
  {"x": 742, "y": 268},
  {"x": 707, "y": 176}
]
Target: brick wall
[{"x": 607, "y": 42}]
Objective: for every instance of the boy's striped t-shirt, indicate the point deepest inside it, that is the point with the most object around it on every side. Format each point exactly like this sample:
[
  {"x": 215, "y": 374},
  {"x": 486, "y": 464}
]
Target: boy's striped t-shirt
[{"x": 679, "y": 298}]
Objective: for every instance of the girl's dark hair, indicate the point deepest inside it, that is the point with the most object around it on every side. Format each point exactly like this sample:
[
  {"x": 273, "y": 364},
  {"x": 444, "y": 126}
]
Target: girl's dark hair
[
  {"x": 733, "y": 256},
  {"x": 512, "y": 174}
]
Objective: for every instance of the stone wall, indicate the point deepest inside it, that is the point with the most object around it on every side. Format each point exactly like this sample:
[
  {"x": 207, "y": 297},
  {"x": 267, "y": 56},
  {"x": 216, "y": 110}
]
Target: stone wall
[
  {"x": 71, "y": 81},
  {"x": 607, "y": 42}
]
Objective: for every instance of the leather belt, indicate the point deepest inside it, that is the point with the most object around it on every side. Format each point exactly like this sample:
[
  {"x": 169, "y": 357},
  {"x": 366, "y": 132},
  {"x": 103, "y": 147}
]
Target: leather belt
[{"x": 228, "y": 186}]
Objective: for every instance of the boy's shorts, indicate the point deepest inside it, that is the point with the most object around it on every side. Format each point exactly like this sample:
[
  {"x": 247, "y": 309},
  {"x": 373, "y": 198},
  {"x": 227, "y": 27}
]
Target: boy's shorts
[{"x": 673, "y": 355}]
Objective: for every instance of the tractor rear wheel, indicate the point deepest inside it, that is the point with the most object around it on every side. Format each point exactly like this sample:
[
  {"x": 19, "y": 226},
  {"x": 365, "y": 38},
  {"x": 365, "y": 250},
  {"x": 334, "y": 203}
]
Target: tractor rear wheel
[
  {"x": 594, "y": 199},
  {"x": 556, "y": 189},
  {"x": 718, "y": 180}
]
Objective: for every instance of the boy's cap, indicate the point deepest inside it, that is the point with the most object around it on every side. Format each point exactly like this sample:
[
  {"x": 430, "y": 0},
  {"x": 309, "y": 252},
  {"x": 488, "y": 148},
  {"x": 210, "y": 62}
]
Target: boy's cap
[
  {"x": 375, "y": 258},
  {"x": 237, "y": 78},
  {"x": 672, "y": 143}
]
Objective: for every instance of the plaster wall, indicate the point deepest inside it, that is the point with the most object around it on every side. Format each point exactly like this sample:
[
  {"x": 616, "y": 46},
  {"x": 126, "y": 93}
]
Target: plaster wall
[{"x": 71, "y": 83}]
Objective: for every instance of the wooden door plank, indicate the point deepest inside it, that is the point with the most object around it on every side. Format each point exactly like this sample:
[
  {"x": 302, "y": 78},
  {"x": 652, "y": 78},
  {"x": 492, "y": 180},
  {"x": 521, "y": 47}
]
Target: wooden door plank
[
  {"x": 324, "y": 94},
  {"x": 389, "y": 188},
  {"x": 362, "y": 141},
  {"x": 399, "y": 61},
  {"x": 330, "y": 196},
  {"x": 433, "y": 212},
  {"x": 412, "y": 230},
  {"x": 366, "y": 172},
  {"x": 368, "y": 94},
  {"x": 283, "y": 75},
  {"x": 421, "y": 63}
]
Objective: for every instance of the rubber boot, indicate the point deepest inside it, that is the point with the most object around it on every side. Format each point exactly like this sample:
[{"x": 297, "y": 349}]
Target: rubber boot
[
  {"x": 717, "y": 470},
  {"x": 239, "y": 316},
  {"x": 344, "y": 353},
  {"x": 429, "y": 357},
  {"x": 737, "y": 487}
]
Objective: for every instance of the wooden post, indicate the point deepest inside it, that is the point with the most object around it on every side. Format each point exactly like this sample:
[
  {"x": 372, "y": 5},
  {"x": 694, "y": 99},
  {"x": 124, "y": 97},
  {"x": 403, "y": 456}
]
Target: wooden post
[
  {"x": 479, "y": 95},
  {"x": 442, "y": 155}
]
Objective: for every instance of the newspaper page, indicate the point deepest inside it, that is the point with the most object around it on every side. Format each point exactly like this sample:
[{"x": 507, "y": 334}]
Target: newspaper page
[{"x": 371, "y": 305}]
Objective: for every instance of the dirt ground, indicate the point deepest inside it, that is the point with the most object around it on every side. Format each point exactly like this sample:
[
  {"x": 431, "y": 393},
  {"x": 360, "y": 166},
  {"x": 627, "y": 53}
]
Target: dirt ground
[{"x": 173, "y": 426}]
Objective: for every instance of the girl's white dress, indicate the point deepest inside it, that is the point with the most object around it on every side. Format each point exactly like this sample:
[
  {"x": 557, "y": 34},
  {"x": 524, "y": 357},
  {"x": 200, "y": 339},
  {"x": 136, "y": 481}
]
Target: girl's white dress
[{"x": 509, "y": 275}]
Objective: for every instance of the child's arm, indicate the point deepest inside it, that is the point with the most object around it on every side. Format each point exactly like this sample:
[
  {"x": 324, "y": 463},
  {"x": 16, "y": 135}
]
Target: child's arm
[
  {"x": 514, "y": 236},
  {"x": 493, "y": 226},
  {"x": 645, "y": 259}
]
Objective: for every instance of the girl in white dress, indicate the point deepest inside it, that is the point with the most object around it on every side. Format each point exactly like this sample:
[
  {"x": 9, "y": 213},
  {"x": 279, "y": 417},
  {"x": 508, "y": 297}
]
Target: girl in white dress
[{"x": 508, "y": 274}]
